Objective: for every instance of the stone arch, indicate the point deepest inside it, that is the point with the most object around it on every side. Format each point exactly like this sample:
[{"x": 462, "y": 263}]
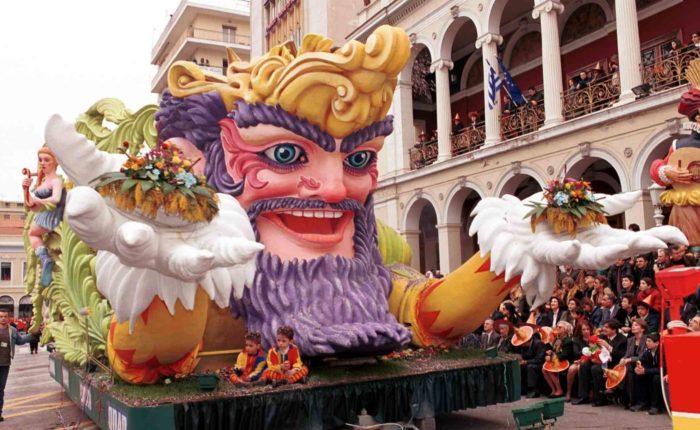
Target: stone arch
[
  {"x": 450, "y": 29},
  {"x": 515, "y": 38},
  {"x": 25, "y": 306},
  {"x": 414, "y": 206},
  {"x": 494, "y": 12},
  {"x": 420, "y": 44},
  {"x": 571, "y": 10},
  {"x": 573, "y": 166},
  {"x": 654, "y": 148},
  {"x": 456, "y": 196},
  {"x": 508, "y": 183},
  {"x": 7, "y": 304},
  {"x": 471, "y": 62}
]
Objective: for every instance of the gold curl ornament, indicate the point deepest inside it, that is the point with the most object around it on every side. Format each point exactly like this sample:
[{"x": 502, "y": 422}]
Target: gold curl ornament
[{"x": 341, "y": 90}]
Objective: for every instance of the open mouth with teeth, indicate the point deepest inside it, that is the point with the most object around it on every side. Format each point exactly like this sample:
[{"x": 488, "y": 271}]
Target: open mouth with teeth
[{"x": 325, "y": 226}]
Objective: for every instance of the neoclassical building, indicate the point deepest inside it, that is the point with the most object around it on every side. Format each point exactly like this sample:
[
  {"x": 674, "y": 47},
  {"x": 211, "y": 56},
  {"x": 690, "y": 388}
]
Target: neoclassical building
[{"x": 606, "y": 82}]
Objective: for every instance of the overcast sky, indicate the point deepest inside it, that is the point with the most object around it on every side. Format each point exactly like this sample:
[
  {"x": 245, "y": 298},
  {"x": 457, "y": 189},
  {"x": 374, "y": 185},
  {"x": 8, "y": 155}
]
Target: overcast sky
[{"x": 61, "y": 57}]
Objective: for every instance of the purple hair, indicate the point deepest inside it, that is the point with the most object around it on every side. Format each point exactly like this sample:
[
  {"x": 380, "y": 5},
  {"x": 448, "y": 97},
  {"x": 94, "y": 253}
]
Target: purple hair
[{"x": 196, "y": 118}]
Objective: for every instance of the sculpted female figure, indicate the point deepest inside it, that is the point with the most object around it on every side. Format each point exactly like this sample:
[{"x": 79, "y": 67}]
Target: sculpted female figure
[{"x": 47, "y": 200}]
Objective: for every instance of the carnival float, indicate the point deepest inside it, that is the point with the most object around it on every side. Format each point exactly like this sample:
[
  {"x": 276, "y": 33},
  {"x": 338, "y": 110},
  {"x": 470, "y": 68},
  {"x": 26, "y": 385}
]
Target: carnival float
[{"x": 243, "y": 204}]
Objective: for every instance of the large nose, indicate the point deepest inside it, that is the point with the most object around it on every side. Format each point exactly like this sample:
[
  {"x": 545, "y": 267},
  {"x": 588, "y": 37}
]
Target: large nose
[{"x": 330, "y": 186}]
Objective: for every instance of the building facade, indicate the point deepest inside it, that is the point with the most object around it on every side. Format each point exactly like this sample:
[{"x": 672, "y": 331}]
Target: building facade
[
  {"x": 200, "y": 32},
  {"x": 606, "y": 80},
  {"x": 13, "y": 261},
  {"x": 277, "y": 21}
]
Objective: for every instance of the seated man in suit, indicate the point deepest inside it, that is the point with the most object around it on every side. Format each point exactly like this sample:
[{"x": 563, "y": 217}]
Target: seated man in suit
[
  {"x": 649, "y": 316},
  {"x": 532, "y": 353},
  {"x": 489, "y": 338},
  {"x": 615, "y": 344},
  {"x": 647, "y": 378}
]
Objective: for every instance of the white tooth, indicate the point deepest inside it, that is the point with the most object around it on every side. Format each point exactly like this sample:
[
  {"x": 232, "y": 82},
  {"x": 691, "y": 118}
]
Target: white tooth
[
  {"x": 308, "y": 214},
  {"x": 337, "y": 214},
  {"x": 318, "y": 214},
  {"x": 328, "y": 214},
  {"x": 297, "y": 213}
]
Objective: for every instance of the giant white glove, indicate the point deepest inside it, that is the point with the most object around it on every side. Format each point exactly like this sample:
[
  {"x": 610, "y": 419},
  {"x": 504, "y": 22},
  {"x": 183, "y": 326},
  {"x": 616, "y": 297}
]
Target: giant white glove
[
  {"x": 140, "y": 258},
  {"x": 504, "y": 231}
]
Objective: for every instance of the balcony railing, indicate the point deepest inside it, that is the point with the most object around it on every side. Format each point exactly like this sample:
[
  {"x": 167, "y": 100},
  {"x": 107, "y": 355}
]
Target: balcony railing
[
  {"x": 468, "y": 139},
  {"x": 669, "y": 71},
  {"x": 524, "y": 119},
  {"x": 423, "y": 153},
  {"x": 219, "y": 36},
  {"x": 594, "y": 97}
]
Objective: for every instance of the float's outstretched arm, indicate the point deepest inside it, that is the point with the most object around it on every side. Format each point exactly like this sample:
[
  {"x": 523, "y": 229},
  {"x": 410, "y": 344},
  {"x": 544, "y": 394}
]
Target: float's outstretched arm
[{"x": 441, "y": 311}]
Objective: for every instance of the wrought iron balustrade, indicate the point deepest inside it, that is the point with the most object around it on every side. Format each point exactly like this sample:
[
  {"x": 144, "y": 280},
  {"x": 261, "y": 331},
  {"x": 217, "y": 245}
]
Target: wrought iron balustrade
[
  {"x": 423, "y": 153},
  {"x": 469, "y": 139},
  {"x": 594, "y": 97},
  {"x": 669, "y": 71},
  {"x": 524, "y": 119}
]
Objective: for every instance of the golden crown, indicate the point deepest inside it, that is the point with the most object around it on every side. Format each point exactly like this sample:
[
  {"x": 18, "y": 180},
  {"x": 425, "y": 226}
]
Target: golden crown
[{"x": 340, "y": 90}]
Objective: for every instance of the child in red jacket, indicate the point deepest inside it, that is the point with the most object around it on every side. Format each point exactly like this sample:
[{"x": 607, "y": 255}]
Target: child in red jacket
[
  {"x": 284, "y": 360},
  {"x": 251, "y": 361}
]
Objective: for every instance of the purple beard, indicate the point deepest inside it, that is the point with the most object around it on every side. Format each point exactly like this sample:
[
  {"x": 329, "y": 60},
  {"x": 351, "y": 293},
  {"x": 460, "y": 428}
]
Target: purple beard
[{"x": 334, "y": 304}]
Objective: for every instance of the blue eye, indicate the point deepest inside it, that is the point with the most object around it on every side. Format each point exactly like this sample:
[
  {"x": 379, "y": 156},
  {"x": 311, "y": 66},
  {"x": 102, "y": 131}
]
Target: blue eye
[
  {"x": 359, "y": 159},
  {"x": 285, "y": 153}
]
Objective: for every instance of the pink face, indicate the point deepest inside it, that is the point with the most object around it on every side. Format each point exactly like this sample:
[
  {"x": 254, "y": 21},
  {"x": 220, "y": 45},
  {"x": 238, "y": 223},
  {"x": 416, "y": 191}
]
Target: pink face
[{"x": 277, "y": 163}]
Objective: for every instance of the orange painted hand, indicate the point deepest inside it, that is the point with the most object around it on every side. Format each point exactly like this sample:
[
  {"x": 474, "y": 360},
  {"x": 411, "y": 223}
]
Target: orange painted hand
[{"x": 680, "y": 175}]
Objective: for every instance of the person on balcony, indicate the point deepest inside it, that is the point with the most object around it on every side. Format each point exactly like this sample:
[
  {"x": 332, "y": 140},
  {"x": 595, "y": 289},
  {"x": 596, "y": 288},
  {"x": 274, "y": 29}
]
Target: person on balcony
[
  {"x": 597, "y": 74},
  {"x": 473, "y": 118},
  {"x": 535, "y": 97},
  {"x": 457, "y": 126},
  {"x": 694, "y": 40},
  {"x": 582, "y": 81}
]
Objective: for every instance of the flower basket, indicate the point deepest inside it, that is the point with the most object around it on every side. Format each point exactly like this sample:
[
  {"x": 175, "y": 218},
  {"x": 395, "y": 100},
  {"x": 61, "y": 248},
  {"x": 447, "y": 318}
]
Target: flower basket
[
  {"x": 159, "y": 183},
  {"x": 570, "y": 206}
]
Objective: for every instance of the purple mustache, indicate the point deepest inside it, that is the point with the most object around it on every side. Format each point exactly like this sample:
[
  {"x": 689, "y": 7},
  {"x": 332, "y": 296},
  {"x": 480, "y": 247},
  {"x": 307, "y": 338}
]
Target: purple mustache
[{"x": 295, "y": 203}]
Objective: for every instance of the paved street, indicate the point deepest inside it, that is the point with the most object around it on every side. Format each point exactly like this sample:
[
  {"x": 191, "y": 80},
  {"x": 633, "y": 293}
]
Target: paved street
[{"x": 34, "y": 401}]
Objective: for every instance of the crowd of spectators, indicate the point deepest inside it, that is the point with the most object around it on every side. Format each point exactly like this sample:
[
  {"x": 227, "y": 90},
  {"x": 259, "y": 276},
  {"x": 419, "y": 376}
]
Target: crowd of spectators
[{"x": 594, "y": 321}]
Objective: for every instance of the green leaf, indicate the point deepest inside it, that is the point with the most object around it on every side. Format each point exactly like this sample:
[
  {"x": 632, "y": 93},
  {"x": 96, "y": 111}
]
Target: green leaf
[
  {"x": 147, "y": 185},
  {"x": 202, "y": 191},
  {"x": 167, "y": 188},
  {"x": 128, "y": 184},
  {"x": 186, "y": 191},
  {"x": 576, "y": 212}
]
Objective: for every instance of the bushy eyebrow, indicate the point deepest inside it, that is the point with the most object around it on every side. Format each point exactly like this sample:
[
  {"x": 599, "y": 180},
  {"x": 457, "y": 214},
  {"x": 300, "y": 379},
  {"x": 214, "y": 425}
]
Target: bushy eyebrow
[
  {"x": 249, "y": 115},
  {"x": 379, "y": 128}
]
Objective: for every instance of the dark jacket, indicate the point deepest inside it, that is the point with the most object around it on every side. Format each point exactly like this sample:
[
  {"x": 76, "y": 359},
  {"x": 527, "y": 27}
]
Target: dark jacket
[
  {"x": 653, "y": 321},
  {"x": 633, "y": 351},
  {"x": 504, "y": 345},
  {"x": 615, "y": 275},
  {"x": 619, "y": 348},
  {"x": 647, "y": 272},
  {"x": 595, "y": 317},
  {"x": 566, "y": 350},
  {"x": 533, "y": 354},
  {"x": 544, "y": 320},
  {"x": 17, "y": 339},
  {"x": 487, "y": 343},
  {"x": 651, "y": 361}
]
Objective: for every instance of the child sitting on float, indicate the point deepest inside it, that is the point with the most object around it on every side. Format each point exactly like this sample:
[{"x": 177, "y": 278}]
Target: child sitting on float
[
  {"x": 251, "y": 363},
  {"x": 284, "y": 360}
]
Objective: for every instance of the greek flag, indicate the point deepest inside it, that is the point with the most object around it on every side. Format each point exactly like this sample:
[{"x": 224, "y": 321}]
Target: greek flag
[{"x": 495, "y": 84}]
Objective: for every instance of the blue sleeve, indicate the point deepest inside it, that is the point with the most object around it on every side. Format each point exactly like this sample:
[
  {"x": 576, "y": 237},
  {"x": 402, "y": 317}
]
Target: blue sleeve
[{"x": 21, "y": 340}]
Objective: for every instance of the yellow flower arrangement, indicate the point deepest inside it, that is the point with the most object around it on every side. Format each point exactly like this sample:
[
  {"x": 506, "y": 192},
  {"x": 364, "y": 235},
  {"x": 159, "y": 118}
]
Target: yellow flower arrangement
[{"x": 160, "y": 179}]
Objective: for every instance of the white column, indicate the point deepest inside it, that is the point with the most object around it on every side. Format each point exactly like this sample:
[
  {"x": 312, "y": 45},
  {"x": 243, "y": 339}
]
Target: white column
[
  {"x": 404, "y": 134},
  {"x": 442, "y": 68},
  {"x": 628, "y": 49},
  {"x": 547, "y": 11},
  {"x": 450, "y": 249},
  {"x": 257, "y": 27},
  {"x": 488, "y": 44},
  {"x": 413, "y": 239}
]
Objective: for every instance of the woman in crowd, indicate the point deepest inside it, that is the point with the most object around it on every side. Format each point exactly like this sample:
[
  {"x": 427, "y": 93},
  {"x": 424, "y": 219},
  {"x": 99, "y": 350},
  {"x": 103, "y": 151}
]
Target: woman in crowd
[
  {"x": 563, "y": 349},
  {"x": 555, "y": 311},
  {"x": 508, "y": 312},
  {"x": 648, "y": 288},
  {"x": 582, "y": 333},
  {"x": 628, "y": 303},
  {"x": 636, "y": 345},
  {"x": 570, "y": 311}
]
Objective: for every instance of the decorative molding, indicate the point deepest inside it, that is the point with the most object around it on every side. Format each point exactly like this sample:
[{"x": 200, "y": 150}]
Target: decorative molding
[
  {"x": 413, "y": 37},
  {"x": 628, "y": 152},
  {"x": 584, "y": 149},
  {"x": 440, "y": 64},
  {"x": 550, "y": 170},
  {"x": 673, "y": 125},
  {"x": 489, "y": 185},
  {"x": 441, "y": 197},
  {"x": 454, "y": 11},
  {"x": 547, "y": 7},
  {"x": 515, "y": 167},
  {"x": 488, "y": 38}
]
